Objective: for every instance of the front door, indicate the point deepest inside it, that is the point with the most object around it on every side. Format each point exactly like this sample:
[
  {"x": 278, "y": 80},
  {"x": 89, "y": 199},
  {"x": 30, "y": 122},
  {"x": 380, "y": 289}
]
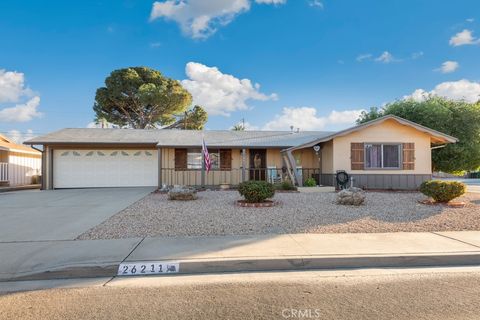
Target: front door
[{"x": 258, "y": 164}]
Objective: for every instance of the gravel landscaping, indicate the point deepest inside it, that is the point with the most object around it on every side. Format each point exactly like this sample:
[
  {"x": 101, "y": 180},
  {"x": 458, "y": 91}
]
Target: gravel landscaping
[{"x": 215, "y": 213}]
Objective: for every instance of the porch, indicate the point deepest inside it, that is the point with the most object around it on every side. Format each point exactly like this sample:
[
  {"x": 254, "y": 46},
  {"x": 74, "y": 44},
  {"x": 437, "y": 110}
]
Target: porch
[
  {"x": 235, "y": 176},
  {"x": 185, "y": 166}
]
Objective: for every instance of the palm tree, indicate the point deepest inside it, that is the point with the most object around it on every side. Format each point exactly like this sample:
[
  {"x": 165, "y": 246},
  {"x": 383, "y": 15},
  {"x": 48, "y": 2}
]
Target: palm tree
[{"x": 238, "y": 127}]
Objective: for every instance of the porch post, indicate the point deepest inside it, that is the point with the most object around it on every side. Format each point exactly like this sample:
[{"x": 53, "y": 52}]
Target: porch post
[
  {"x": 44, "y": 169},
  {"x": 160, "y": 168},
  {"x": 244, "y": 163},
  {"x": 50, "y": 185},
  {"x": 293, "y": 163},
  {"x": 203, "y": 170},
  {"x": 288, "y": 165}
]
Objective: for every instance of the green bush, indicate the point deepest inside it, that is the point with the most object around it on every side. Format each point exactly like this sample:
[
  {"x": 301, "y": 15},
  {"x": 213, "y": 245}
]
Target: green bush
[
  {"x": 310, "y": 182},
  {"x": 256, "y": 191},
  {"x": 285, "y": 185},
  {"x": 442, "y": 191}
]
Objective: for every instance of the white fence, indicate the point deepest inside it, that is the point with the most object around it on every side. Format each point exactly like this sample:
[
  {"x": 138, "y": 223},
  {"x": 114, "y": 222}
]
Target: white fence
[{"x": 3, "y": 172}]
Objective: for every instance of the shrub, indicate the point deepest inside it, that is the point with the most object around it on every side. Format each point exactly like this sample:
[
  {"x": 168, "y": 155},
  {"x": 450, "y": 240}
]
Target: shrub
[
  {"x": 310, "y": 182},
  {"x": 285, "y": 185},
  {"x": 442, "y": 191},
  {"x": 256, "y": 191}
]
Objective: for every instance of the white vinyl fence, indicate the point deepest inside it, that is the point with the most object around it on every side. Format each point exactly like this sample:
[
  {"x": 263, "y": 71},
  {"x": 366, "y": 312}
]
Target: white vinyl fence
[{"x": 3, "y": 172}]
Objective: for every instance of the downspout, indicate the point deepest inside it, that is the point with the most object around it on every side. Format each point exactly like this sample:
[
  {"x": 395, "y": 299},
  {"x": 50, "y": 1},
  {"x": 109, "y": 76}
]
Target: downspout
[
  {"x": 438, "y": 147},
  {"x": 36, "y": 149}
]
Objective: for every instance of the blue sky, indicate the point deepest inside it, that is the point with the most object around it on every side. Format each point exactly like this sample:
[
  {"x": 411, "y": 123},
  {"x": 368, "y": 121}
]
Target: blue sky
[{"x": 316, "y": 63}]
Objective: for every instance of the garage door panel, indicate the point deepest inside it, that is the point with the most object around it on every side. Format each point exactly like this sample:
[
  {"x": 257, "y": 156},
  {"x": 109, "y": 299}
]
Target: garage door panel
[{"x": 105, "y": 168}]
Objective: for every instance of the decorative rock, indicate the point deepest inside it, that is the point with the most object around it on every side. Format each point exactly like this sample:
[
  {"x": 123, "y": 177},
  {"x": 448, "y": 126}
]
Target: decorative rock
[
  {"x": 182, "y": 193},
  {"x": 351, "y": 196}
]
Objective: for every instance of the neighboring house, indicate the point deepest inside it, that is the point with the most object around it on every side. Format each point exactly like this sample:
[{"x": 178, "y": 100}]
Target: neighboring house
[
  {"x": 386, "y": 153},
  {"x": 19, "y": 164}
]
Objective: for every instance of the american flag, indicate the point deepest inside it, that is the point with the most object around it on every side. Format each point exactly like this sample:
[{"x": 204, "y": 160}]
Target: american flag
[{"x": 206, "y": 156}]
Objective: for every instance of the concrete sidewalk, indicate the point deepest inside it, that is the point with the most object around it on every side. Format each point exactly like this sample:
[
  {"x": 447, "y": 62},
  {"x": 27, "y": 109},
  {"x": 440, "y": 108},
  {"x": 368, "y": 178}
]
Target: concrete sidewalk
[{"x": 97, "y": 258}]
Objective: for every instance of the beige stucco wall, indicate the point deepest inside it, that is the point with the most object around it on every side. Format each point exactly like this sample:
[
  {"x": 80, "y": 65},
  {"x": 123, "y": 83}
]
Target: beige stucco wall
[
  {"x": 327, "y": 157},
  {"x": 387, "y": 131}
]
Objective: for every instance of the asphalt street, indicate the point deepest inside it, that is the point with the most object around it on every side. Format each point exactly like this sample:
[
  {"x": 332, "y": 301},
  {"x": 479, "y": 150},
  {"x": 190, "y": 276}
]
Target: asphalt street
[{"x": 371, "y": 294}]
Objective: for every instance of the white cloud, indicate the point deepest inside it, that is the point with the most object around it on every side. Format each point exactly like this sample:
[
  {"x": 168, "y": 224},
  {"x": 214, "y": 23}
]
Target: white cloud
[
  {"x": 21, "y": 103},
  {"x": 200, "y": 19},
  {"x": 155, "y": 44},
  {"x": 99, "y": 124},
  {"x": 448, "y": 67},
  {"x": 305, "y": 118},
  {"x": 271, "y": 1},
  {"x": 463, "y": 38},
  {"x": 417, "y": 55},
  {"x": 12, "y": 86},
  {"x": 220, "y": 93},
  {"x": 385, "y": 57},
  {"x": 470, "y": 20},
  {"x": 21, "y": 112},
  {"x": 315, "y": 3},
  {"x": 20, "y": 137},
  {"x": 454, "y": 90},
  {"x": 418, "y": 95},
  {"x": 365, "y": 56}
]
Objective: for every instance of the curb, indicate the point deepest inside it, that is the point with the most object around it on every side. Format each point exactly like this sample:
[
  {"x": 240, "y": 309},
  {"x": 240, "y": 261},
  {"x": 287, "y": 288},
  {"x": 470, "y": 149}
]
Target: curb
[{"x": 285, "y": 263}]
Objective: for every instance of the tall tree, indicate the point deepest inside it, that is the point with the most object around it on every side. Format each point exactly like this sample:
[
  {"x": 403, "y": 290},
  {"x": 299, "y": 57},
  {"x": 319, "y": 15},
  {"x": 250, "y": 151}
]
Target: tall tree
[
  {"x": 193, "y": 119},
  {"x": 456, "y": 118},
  {"x": 140, "y": 97}
]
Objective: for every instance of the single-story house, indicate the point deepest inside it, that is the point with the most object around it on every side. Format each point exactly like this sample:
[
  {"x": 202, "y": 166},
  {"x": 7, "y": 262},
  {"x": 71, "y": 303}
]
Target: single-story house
[
  {"x": 19, "y": 164},
  {"x": 386, "y": 153}
]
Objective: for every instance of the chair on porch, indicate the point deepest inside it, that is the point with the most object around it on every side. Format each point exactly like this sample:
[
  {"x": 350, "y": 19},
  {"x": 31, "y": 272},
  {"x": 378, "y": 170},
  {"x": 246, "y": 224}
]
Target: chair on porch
[{"x": 273, "y": 176}]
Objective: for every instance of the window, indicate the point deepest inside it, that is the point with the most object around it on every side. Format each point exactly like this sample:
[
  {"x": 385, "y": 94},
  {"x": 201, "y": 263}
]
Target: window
[
  {"x": 194, "y": 158},
  {"x": 382, "y": 156}
]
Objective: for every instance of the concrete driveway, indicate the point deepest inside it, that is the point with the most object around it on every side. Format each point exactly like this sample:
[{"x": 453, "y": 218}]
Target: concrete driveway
[{"x": 60, "y": 214}]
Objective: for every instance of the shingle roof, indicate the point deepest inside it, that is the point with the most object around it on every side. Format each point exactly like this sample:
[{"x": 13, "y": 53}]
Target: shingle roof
[
  {"x": 214, "y": 138},
  {"x": 185, "y": 138}
]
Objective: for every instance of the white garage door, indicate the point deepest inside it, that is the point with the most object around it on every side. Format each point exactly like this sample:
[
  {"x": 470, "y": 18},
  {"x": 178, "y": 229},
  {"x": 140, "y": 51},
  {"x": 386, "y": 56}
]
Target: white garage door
[{"x": 104, "y": 168}]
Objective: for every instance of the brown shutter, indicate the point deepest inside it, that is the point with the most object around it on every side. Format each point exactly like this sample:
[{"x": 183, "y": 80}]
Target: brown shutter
[
  {"x": 225, "y": 159},
  {"x": 357, "y": 156},
  {"x": 409, "y": 156},
  {"x": 180, "y": 159}
]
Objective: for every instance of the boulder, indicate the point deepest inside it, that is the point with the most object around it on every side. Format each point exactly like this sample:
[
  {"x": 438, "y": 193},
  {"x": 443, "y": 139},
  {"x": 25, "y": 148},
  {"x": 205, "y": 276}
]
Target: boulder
[
  {"x": 182, "y": 193},
  {"x": 351, "y": 196}
]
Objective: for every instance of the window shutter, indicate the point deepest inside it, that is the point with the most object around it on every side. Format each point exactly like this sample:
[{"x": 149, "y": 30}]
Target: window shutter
[
  {"x": 357, "y": 156},
  {"x": 409, "y": 156},
  {"x": 180, "y": 159},
  {"x": 225, "y": 159}
]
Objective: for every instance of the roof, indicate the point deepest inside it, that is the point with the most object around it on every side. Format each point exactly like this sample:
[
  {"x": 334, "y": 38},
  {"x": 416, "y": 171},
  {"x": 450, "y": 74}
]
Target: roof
[
  {"x": 438, "y": 136},
  {"x": 179, "y": 138},
  {"x": 214, "y": 138},
  {"x": 8, "y": 145}
]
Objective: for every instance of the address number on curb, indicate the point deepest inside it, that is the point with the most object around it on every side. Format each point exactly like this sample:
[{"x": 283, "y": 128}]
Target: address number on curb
[{"x": 146, "y": 268}]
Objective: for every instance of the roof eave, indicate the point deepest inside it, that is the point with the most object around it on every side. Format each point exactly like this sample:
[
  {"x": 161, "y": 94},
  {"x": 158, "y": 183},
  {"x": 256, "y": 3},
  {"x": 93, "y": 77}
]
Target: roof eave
[{"x": 447, "y": 138}]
